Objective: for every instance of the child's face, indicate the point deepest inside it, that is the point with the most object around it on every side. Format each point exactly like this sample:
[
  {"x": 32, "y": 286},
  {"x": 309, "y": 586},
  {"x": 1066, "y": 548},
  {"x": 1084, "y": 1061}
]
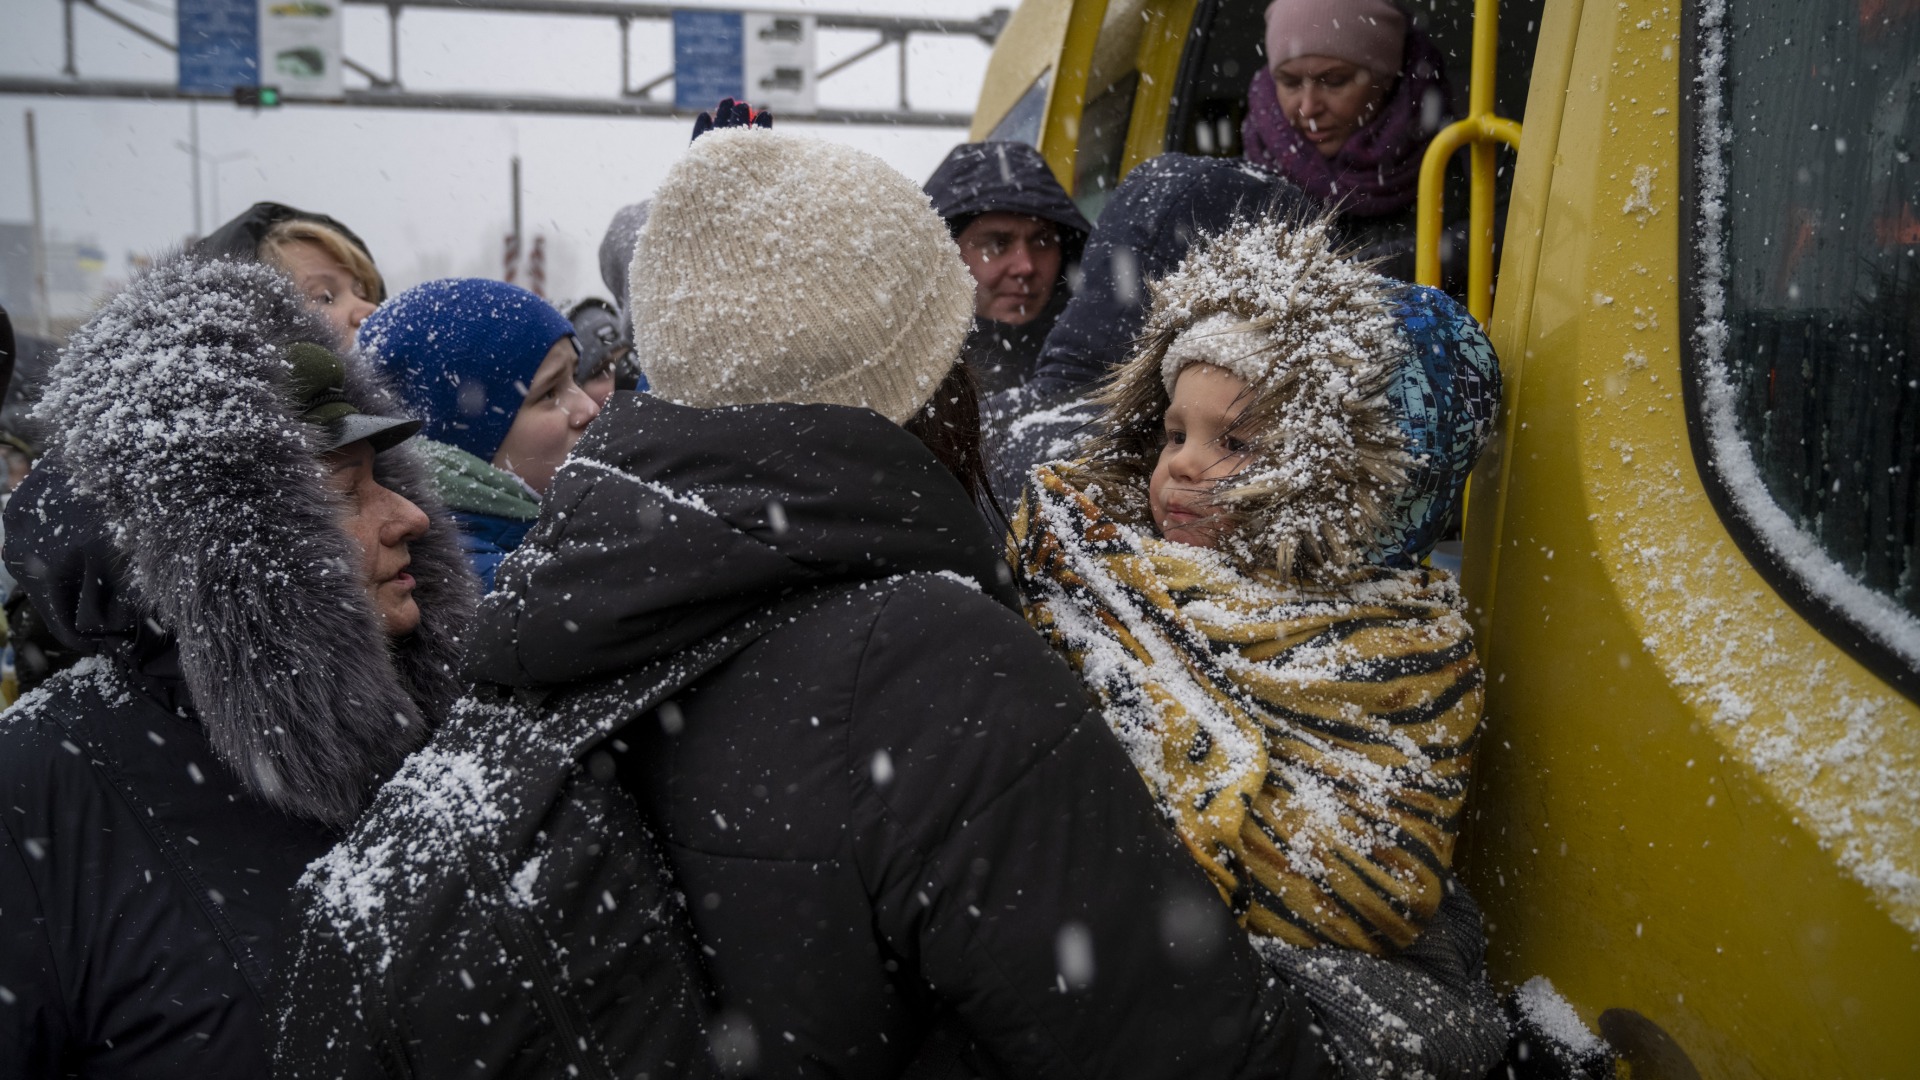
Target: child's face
[
  {"x": 1202, "y": 447},
  {"x": 549, "y": 422}
]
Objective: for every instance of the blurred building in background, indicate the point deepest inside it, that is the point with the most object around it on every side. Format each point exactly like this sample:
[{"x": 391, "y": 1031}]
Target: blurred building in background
[{"x": 76, "y": 279}]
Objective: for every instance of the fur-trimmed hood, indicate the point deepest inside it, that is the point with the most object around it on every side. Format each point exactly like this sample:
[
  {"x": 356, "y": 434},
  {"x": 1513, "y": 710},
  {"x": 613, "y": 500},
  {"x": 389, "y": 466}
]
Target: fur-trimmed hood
[
  {"x": 1368, "y": 400},
  {"x": 182, "y": 524}
]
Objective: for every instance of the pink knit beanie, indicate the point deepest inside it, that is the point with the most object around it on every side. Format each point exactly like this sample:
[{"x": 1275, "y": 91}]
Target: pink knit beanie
[{"x": 1370, "y": 33}]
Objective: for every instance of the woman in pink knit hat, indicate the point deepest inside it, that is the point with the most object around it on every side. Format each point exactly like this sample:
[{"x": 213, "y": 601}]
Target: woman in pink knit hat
[{"x": 1349, "y": 97}]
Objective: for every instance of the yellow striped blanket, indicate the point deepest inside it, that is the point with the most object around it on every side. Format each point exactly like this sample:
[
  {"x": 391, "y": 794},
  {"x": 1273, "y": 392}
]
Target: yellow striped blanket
[{"x": 1310, "y": 743}]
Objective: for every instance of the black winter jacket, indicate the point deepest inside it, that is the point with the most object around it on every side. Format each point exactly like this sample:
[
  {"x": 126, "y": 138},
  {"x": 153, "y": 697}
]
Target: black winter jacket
[
  {"x": 140, "y": 887},
  {"x": 899, "y": 807},
  {"x": 142, "y": 874},
  {"x": 1009, "y": 177}
]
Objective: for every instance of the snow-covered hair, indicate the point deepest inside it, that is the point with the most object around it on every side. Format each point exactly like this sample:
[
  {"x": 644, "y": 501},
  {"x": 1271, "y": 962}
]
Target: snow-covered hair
[{"x": 1313, "y": 336}]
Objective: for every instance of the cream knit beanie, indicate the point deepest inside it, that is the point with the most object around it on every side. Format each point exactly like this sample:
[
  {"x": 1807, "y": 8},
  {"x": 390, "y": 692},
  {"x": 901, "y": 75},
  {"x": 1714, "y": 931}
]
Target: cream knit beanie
[{"x": 781, "y": 268}]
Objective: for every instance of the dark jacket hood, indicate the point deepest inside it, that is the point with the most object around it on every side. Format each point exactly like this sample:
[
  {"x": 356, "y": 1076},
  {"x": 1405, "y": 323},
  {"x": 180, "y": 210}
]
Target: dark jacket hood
[
  {"x": 1153, "y": 218},
  {"x": 183, "y": 508},
  {"x": 1009, "y": 177},
  {"x": 240, "y": 238},
  {"x": 669, "y": 522}
]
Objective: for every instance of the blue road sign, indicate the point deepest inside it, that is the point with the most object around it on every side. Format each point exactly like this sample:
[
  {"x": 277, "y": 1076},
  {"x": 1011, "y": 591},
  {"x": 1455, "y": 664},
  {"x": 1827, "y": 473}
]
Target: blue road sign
[
  {"x": 709, "y": 58},
  {"x": 219, "y": 44}
]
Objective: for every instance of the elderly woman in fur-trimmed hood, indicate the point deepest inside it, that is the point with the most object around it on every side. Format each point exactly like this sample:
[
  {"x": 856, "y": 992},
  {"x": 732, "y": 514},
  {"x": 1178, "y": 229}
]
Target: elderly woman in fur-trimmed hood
[
  {"x": 1234, "y": 570},
  {"x": 230, "y": 526}
]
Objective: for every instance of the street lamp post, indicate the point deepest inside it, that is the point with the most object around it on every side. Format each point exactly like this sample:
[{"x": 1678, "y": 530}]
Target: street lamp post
[{"x": 215, "y": 161}]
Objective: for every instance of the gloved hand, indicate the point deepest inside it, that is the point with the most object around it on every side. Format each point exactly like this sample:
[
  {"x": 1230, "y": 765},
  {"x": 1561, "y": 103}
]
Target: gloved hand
[{"x": 732, "y": 113}]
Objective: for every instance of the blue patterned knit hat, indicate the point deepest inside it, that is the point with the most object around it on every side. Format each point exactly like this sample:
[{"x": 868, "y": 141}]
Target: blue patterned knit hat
[
  {"x": 1446, "y": 397},
  {"x": 463, "y": 351}
]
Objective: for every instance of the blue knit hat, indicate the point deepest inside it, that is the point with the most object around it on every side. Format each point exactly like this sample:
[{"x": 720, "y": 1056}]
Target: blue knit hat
[
  {"x": 463, "y": 351},
  {"x": 1447, "y": 398}
]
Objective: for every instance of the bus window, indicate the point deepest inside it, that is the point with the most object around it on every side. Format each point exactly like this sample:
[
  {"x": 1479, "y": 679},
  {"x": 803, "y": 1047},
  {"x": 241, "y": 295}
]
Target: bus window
[
  {"x": 1022, "y": 122},
  {"x": 1100, "y": 141},
  {"x": 1807, "y": 384},
  {"x": 1223, "y": 52},
  {"x": 1103, "y": 143}
]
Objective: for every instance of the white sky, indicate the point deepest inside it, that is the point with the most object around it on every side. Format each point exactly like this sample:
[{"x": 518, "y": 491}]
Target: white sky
[{"x": 428, "y": 190}]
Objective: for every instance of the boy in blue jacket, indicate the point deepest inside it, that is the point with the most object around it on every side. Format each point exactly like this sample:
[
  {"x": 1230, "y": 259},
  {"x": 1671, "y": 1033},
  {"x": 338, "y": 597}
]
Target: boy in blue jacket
[{"x": 490, "y": 366}]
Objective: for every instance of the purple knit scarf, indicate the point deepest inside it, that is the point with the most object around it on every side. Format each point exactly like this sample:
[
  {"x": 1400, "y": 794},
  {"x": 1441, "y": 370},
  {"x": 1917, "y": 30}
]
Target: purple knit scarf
[{"x": 1377, "y": 172}]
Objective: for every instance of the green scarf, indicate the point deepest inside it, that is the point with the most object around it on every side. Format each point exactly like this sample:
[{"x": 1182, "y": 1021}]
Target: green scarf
[
  {"x": 472, "y": 486},
  {"x": 1311, "y": 743}
]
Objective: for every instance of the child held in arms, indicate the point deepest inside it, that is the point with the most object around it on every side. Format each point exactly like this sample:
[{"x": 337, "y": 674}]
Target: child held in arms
[
  {"x": 1235, "y": 569},
  {"x": 491, "y": 367}
]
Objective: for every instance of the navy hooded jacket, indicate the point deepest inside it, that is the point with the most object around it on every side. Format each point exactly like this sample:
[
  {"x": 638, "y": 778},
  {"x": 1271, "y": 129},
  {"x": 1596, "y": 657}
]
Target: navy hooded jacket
[{"x": 1008, "y": 177}]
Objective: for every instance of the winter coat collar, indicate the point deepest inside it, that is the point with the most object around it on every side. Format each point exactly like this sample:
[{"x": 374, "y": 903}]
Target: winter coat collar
[
  {"x": 472, "y": 486},
  {"x": 669, "y": 522},
  {"x": 172, "y": 420}
]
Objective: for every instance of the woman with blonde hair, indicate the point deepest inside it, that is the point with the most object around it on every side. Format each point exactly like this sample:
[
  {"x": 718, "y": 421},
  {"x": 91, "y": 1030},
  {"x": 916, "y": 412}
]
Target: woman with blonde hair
[{"x": 328, "y": 262}]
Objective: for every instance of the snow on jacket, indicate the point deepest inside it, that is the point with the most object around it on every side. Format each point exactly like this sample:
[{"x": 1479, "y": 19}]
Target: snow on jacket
[
  {"x": 1311, "y": 743},
  {"x": 896, "y": 811},
  {"x": 181, "y": 537},
  {"x": 1008, "y": 177}
]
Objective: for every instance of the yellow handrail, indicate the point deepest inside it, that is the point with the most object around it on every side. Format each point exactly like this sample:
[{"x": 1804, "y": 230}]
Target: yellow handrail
[
  {"x": 1060, "y": 134},
  {"x": 1480, "y": 129}
]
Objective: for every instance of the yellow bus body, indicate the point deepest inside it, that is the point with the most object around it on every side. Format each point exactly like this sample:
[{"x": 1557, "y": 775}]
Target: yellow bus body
[{"x": 1682, "y": 814}]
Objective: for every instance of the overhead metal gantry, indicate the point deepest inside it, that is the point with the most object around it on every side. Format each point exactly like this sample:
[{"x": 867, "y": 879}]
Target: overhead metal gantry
[{"x": 388, "y": 90}]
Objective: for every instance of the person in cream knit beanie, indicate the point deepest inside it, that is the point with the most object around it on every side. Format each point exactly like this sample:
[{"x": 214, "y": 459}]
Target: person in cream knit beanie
[{"x": 775, "y": 267}]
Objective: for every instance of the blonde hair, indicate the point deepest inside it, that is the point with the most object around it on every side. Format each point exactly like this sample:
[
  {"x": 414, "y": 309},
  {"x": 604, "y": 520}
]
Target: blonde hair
[{"x": 333, "y": 242}]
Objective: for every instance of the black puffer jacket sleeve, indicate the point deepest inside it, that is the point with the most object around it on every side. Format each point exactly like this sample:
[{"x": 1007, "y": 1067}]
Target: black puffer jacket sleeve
[
  {"x": 33, "y": 1021},
  {"x": 1043, "y": 898}
]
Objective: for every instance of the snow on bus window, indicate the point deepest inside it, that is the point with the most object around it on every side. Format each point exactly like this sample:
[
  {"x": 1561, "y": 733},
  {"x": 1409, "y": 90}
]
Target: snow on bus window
[{"x": 1809, "y": 260}]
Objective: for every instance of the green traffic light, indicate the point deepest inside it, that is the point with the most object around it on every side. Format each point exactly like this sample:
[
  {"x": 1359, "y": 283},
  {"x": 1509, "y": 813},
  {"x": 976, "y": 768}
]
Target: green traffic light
[{"x": 257, "y": 97}]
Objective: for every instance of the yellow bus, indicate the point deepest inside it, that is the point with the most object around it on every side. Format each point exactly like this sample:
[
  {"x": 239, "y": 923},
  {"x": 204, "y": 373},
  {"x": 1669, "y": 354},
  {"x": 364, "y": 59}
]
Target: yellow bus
[{"x": 1691, "y": 553}]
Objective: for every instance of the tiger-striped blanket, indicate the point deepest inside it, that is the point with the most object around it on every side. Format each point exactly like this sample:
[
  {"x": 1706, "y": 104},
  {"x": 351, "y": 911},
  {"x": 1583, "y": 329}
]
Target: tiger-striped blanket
[{"x": 1311, "y": 743}]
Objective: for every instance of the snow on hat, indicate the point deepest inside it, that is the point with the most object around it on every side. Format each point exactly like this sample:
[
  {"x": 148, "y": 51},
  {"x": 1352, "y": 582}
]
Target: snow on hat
[
  {"x": 463, "y": 351},
  {"x": 775, "y": 267},
  {"x": 1370, "y": 33},
  {"x": 1369, "y": 400},
  {"x": 1446, "y": 397}
]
